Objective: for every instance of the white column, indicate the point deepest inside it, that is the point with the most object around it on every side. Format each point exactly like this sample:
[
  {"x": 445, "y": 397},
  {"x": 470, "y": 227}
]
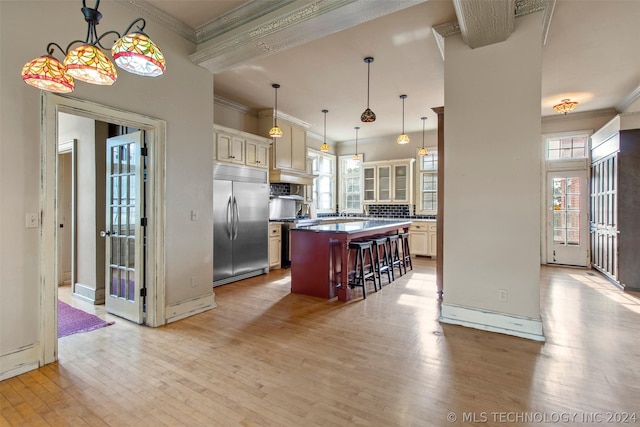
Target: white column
[{"x": 492, "y": 182}]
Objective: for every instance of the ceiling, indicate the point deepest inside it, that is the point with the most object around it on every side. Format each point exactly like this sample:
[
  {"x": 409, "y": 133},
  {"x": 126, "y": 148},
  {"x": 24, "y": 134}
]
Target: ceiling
[{"x": 591, "y": 55}]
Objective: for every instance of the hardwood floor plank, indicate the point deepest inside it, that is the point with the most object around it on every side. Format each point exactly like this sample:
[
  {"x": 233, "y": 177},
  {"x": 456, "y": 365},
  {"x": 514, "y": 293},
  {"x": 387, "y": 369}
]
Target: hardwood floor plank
[{"x": 266, "y": 357}]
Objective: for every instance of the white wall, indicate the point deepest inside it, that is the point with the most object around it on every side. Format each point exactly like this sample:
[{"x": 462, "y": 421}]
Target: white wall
[
  {"x": 492, "y": 172},
  {"x": 183, "y": 97},
  {"x": 387, "y": 148}
]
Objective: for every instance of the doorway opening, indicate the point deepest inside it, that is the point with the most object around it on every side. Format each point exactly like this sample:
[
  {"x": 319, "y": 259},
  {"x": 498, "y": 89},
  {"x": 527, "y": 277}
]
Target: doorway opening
[{"x": 153, "y": 265}]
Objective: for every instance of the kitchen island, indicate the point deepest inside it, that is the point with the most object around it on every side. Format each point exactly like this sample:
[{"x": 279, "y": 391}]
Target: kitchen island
[{"x": 320, "y": 255}]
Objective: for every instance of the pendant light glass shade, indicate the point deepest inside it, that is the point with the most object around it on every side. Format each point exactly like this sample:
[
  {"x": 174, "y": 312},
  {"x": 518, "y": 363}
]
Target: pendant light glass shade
[
  {"x": 423, "y": 151},
  {"x": 356, "y": 157},
  {"x": 88, "y": 64},
  {"x": 275, "y": 131},
  {"x": 368, "y": 116},
  {"x": 47, "y": 73},
  {"x": 403, "y": 138},
  {"x": 325, "y": 147},
  {"x": 137, "y": 54}
]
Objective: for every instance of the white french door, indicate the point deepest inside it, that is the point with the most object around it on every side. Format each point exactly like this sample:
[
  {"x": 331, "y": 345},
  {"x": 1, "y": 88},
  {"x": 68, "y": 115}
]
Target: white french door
[
  {"x": 124, "y": 232},
  {"x": 568, "y": 218}
]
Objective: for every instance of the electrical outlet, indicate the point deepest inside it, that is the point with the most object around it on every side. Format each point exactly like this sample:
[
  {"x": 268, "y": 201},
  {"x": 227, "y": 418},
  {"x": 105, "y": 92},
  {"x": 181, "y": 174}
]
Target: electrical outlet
[
  {"x": 195, "y": 282},
  {"x": 502, "y": 294}
]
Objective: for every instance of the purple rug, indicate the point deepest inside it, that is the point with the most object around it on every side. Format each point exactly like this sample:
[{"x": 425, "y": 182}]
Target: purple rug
[{"x": 72, "y": 321}]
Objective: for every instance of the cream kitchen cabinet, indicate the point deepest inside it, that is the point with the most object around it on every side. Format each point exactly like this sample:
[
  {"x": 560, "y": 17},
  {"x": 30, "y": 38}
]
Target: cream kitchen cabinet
[
  {"x": 275, "y": 246},
  {"x": 257, "y": 154},
  {"x": 422, "y": 238},
  {"x": 242, "y": 148},
  {"x": 288, "y": 161},
  {"x": 388, "y": 181}
]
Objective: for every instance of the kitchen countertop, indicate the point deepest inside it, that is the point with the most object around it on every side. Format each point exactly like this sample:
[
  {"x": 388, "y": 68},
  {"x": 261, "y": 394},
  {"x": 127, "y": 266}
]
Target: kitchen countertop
[{"x": 355, "y": 226}]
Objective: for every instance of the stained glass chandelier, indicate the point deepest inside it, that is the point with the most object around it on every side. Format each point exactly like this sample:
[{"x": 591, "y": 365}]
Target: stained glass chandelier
[{"x": 134, "y": 52}]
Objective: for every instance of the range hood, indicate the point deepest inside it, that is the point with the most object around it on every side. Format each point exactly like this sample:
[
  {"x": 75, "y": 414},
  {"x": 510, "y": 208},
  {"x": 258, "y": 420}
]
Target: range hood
[{"x": 290, "y": 177}]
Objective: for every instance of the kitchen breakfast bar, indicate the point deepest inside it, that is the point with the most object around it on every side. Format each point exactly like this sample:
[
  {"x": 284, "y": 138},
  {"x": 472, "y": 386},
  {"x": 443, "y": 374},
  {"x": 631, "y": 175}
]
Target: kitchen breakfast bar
[{"x": 320, "y": 255}]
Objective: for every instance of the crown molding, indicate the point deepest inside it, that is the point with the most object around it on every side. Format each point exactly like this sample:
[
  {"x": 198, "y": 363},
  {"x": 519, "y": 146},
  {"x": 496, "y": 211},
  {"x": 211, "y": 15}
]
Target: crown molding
[
  {"x": 626, "y": 102},
  {"x": 284, "y": 116},
  {"x": 289, "y": 24},
  {"x": 611, "y": 112},
  {"x": 159, "y": 17},
  {"x": 233, "y": 105}
]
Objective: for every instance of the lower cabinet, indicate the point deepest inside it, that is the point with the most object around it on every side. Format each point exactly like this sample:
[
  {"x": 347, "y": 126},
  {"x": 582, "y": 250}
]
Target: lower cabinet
[
  {"x": 423, "y": 238},
  {"x": 275, "y": 245}
]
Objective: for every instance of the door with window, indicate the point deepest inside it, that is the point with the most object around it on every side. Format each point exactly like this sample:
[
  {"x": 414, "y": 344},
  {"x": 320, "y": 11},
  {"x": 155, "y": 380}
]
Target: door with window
[
  {"x": 568, "y": 218},
  {"x": 124, "y": 232}
]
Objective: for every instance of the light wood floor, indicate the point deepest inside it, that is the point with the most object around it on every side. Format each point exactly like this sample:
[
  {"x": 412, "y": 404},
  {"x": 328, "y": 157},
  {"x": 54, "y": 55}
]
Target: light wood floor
[{"x": 266, "y": 357}]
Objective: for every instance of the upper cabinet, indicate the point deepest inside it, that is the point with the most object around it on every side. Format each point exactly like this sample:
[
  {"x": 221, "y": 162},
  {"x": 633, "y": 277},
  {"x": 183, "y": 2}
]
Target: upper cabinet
[
  {"x": 242, "y": 148},
  {"x": 289, "y": 154},
  {"x": 388, "y": 181}
]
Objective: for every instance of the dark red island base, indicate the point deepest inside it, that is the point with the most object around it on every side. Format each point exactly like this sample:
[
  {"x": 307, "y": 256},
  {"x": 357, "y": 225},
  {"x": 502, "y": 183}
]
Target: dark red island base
[{"x": 319, "y": 255}]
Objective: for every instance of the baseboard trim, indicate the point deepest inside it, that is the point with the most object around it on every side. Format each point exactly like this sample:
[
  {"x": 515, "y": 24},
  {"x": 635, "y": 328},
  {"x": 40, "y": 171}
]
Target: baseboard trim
[
  {"x": 18, "y": 362},
  {"x": 184, "y": 309},
  {"x": 492, "y": 321},
  {"x": 88, "y": 294}
]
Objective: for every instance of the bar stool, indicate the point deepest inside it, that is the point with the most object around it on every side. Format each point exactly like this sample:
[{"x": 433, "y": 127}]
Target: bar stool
[
  {"x": 394, "y": 253},
  {"x": 362, "y": 272},
  {"x": 406, "y": 253},
  {"x": 381, "y": 262}
]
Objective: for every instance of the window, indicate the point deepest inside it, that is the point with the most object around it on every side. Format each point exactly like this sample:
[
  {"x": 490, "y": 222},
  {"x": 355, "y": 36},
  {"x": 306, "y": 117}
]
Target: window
[
  {"x": 351, "y": 184},
  {"x": 569, "y": 147},
  {"x": 428, "y": 183},
  {"x": 324, "y": 165}
]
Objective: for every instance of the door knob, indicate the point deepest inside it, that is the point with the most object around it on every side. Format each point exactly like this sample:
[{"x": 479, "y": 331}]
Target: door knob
[{"x": 105, "y": 233}]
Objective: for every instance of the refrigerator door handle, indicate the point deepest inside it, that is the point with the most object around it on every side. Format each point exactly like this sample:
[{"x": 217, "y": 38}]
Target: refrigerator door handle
[
  {"x": 229, "y": 219},
  {"x": 236, "y": 219}
]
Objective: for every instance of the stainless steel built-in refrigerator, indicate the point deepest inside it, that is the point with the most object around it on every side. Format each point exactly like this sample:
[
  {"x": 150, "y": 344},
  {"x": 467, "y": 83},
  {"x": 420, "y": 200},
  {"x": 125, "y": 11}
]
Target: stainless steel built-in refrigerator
[{"x": 240, "y": 223}]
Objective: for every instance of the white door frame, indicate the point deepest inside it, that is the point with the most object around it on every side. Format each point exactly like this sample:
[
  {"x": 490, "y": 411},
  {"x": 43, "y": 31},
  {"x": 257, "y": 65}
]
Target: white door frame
[{"x": 51, "y": 105}]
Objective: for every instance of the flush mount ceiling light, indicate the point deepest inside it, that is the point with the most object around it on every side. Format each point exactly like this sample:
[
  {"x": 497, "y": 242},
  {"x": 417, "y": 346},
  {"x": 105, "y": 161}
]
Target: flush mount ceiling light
[
  {"x": 565, "y": 106},
  {"x": 423, "y": 151},
  {"x": 275, "y": 131},
  {"x": 368, "y": 116},
  {"x": 134, "y": 52},
  {"x": 356, "y": 157},
  {"x": 325, "y": 147},
  {"x": 403, "y": 138}
]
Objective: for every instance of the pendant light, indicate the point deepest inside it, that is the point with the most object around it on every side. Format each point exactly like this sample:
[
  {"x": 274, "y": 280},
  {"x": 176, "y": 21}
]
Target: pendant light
[
  {"x": 275, "y": 131},
  {"x": 133, "y": 52},
  {"x": 403, "y": 138},
  {"x": 356, "y": 157},
  {"x": 325, "y": 147},
  {"x": 423, "y": 151},
  {"x": 368, "y": 116}
]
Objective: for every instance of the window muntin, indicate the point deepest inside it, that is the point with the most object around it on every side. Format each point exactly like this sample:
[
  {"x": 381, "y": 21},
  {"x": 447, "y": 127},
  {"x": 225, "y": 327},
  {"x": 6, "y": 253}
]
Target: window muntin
[
  {"x": 428, "y": 183},
  {"x": 324, "y": 165},
  {"x": 351, "y": 184},
  {"x": 568, "y": 147}
]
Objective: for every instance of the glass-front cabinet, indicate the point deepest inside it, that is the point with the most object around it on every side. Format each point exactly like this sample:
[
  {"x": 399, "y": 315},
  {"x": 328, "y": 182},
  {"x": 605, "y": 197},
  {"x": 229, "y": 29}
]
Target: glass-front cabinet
[
  {"x": 388, "y": 181},
  {"x": 369, "y": 175}
]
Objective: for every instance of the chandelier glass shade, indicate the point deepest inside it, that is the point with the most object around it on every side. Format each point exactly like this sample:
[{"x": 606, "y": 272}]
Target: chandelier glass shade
[
  {"x": 403, "y": 138},
  {"x": 325, "y": 147},
  {"x": 134, "y": 52},
  {"x": 87, "y": 63},
  {"x": 368, "y": 116},
  {"x": 565, "y": 106},
  {"x": 356, "y": 157},
  {"x": 47, "y": 73},
  {"x": 423, "y": 151},
  {"x": 275, "y": 131},
  {"x": 137, "y": 54}
]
